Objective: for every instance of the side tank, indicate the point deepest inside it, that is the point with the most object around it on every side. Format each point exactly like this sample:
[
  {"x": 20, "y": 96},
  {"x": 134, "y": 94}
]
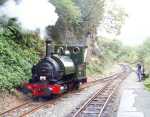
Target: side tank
[{"x": 66, "y": 63}]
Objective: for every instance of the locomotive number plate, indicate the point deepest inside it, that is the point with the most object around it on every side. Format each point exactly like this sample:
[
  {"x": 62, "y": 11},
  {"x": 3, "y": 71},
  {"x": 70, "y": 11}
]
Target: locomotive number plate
[{"x": 42, "y": 77}]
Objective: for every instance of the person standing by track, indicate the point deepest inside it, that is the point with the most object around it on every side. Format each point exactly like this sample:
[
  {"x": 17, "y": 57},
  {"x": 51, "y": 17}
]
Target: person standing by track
[{"x": 140, "y": 72}]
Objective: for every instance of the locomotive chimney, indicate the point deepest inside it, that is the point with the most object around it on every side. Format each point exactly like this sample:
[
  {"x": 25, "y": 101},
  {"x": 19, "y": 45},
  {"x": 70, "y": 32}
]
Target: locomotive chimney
[{"x": 48, "y": 47}]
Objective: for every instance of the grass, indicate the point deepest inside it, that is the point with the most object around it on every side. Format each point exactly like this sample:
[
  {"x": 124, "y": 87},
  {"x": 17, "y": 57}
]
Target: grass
[
  {"x": 147, "y": 83},
  {"x": 97, "y": 66}
]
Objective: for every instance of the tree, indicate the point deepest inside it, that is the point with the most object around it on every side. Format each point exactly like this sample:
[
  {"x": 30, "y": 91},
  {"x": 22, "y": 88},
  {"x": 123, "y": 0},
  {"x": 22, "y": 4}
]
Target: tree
[
  {"x": 2, "y": 1},
  {"x": 83, "y": 22},
  {"x": 92, "y": 13},
  {"x": 67, "y": 10},
  {"x": 143, "y": 52},
  {"x": 114, "y": 19},
  {"x": 69, "y": 18}
]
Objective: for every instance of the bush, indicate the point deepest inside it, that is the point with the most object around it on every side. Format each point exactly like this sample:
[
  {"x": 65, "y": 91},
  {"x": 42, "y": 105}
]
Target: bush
[
  {"x": 17, "y": 57},
  {"x": 95, "y": 66},
  {"x": 147, "y": 83}
]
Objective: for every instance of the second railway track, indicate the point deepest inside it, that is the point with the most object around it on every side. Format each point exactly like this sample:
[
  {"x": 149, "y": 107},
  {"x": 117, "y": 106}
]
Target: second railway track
[{"x": 95, "y": 106}]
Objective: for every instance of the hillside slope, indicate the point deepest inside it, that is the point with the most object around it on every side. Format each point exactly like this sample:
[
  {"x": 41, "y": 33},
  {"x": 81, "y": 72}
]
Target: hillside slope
[{"x": 18, "y": 52}]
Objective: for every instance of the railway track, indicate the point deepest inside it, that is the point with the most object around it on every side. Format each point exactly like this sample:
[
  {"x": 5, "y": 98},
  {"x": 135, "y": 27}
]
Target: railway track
[
  {"x": 26, "y": 108},
  {"x": 95, "y": 106},
  {"x": 29, "y": 106}
]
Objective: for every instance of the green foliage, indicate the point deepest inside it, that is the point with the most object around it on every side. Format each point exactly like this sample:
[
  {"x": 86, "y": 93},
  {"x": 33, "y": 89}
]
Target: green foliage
[
  {"x": 143, "y": 53},
  {"x": 69, "y": 19},
  {"x": 110, "y": 49},
  {"x": 92, "y": 13},
  {"x": 147, "y": 83},
  {"x": 68, "y": 12},
  {"x": 76, "y": 19},
  {"x": 95, "y": 67},
  {"x": 107, "y": 53},
  {"x": 140, "y": 54},
  {"x": 2, "y": 1},
  {"x": 80, "y": 17},
  {"x": 17, "y": 55}
]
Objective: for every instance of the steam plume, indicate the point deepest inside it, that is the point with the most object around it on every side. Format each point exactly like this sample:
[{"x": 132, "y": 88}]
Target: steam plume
[{"x": 31, "y": 14}]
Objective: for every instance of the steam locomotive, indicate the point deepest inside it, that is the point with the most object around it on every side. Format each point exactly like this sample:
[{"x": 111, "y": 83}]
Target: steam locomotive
[{"x": 61, "y": 70}]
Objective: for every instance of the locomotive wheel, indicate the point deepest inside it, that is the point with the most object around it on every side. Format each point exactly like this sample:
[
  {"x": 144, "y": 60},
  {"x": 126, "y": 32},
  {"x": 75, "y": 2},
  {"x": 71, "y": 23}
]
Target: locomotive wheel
[
  {"x": 76, "y": 85},
  {"x": 35, "y": 98},
  {"x": 66, "y": 87}
]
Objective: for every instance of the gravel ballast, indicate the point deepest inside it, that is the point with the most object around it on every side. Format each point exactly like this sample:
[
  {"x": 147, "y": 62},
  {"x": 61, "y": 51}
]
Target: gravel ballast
[{"x": 66, "y": 105}]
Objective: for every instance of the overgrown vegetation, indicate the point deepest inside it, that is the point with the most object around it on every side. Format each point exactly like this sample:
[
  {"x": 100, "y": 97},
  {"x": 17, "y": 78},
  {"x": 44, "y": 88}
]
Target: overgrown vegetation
[
  {"x": 106, "y": 53},
  {"x": 143, "y": 53},
  {"x": 19, "y": 50},
  {"x": 80, "y": 18}
]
